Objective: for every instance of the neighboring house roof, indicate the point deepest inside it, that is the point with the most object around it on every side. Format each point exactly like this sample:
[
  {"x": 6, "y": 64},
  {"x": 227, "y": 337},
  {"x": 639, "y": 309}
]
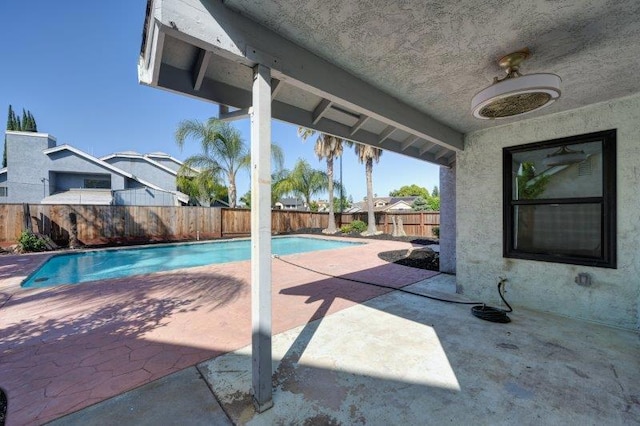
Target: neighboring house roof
[
  {"x": 291, "y": 200},
  {"x": 3, "y": 170},
  {"x": 101, "y": 197},
  {"x": 102, "y": 163},
  {"x": 135, "y": 155},
  {"x": 390, "y": 203},
  {"x": 165, "y": 156},
  {"x": 181, "y": 196},
  {"x": 219, "y": 203},
  {"x": 400, "y": 205}
]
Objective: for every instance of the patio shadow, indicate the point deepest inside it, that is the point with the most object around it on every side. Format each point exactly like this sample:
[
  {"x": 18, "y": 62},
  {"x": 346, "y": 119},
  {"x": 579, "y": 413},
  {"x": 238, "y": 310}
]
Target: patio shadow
[{"x": 70, "y": 346}]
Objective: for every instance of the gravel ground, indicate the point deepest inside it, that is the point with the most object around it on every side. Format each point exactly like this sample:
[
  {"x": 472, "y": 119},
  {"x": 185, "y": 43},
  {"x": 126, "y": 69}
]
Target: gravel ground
[{"x": 422, "y": 258}]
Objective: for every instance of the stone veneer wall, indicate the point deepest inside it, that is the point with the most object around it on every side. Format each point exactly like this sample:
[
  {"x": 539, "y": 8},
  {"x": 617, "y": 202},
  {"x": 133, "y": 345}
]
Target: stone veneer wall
[{"x": 614, "y": 296}]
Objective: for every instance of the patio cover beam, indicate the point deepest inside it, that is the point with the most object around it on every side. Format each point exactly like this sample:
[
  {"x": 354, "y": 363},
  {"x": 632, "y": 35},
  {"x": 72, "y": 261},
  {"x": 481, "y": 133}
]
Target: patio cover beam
[
  {"x": 363, "y": 119},
  {"x": 426, "y": 147},
  {"x": 321, "y": 109},
  {"x": 210, "y": 25},
  {"x": 410, "y": 140},
  {"x": 224, "y": 94},
  {"x": 276, "y": 87},
  {"x": 386, "y": 133},
  {"x": 261, "y": 239},
  {"x": 200, "y": 68},
  {"x": 234, "y": 115}
]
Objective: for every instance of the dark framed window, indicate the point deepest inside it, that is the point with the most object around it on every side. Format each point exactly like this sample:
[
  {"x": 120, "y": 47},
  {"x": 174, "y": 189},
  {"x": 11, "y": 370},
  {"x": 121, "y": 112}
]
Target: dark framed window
[
  {"x": 560, "y": 200},
  {"x": 4, "y": 191},
  {"x": 97, "y": 183}
]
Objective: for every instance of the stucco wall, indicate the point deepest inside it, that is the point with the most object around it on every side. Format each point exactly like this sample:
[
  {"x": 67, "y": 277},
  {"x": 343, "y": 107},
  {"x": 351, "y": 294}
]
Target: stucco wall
[
  {"x": 27, "y": 166},
  {"x": 448, "y": 219},
  {"x": 614, "y": 296}
]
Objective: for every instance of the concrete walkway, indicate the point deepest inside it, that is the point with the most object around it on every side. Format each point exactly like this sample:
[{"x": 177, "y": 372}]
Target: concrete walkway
[
  {"x": 404, "y": 359},
  {"x": 68, "y": 347}
]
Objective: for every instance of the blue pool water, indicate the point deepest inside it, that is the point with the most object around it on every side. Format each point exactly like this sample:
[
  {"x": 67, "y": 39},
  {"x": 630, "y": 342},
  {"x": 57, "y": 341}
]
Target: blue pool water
[{"x": 74, "y": 268}]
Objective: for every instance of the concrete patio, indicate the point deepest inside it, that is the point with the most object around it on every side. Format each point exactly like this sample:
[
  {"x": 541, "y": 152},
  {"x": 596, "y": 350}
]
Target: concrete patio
[
  {"x": 403, "y": 359},
  {"x": 68, "y": 347}
]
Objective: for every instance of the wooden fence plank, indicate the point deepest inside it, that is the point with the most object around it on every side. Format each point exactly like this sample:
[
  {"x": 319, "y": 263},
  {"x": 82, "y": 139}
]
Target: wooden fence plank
[{"x": 109, "y": 224}]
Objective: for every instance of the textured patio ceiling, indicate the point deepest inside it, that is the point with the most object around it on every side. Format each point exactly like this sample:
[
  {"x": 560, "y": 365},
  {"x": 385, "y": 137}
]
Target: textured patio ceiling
[{"x": 397, "y": 75}]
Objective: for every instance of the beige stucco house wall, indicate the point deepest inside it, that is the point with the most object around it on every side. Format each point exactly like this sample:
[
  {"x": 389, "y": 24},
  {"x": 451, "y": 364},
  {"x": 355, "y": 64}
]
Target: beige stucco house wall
[{"x": 614, "y": 296}]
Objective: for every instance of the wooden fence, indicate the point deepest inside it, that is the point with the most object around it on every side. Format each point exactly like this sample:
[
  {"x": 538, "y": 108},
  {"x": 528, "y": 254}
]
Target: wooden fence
[{"x": 93, "y": 225}]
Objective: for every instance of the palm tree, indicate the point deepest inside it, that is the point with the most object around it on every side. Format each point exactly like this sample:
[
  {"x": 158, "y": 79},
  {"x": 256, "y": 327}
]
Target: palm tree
[
  {"x": 223, "y": 150},
  {"x": 367, "y": 154},
  {"x": 328, "y": 147},
  {"x": 303, "y": 180},
  {"x": 202, "y": 188}
]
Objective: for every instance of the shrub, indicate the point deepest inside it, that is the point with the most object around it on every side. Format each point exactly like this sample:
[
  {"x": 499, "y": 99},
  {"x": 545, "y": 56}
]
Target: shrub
[
  {"x": 436, "y": 231},
  {"x": 30, "y": 242},
  {"x": 345, "y": 229},
  {"x": 358, "y": 226}
]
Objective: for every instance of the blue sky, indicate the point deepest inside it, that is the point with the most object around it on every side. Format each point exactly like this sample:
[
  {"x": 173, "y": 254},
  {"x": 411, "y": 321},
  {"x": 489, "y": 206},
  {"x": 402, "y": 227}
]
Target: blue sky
[{"x": 73, "y": 65}]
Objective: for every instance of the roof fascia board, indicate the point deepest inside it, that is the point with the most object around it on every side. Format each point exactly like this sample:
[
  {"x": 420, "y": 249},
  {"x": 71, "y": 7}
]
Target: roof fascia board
[
  {"x": 141, "y": 157},
  {"x": 210, "y": 25},
  {"x": 226, "y": 94}
]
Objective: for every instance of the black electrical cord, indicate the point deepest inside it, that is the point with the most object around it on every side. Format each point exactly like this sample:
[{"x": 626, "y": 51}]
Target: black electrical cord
[
  {"x": 482, "y": 311},
  {"x": 489, "y": 313},
  {"x": 439, "y": 299}
]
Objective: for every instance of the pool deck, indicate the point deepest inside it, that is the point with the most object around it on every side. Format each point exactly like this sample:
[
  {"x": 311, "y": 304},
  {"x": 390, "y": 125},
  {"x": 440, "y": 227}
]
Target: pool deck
[{"x": 68, "y": 347}]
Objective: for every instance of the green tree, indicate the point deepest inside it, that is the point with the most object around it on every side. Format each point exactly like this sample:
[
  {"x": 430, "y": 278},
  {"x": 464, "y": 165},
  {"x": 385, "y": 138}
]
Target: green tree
[
  {"x": 530, "y": 186},
  {"x": 25, "y": 120},
  {"x": 276, "y": 187},
  {"x": 246, "y": 199},
  {"x": 435, "y": 192},
  {"x": 342, "y": 204},
  {"x": 10, "y": 126},
  {"x": 420, "y": 204},
  {"x": 303, "y": 180},
  {"x": 327, "y": 147},
  {"x": 202, "y": 189},
  {"x": 223, "y": 150},
  {"x": 28, "y": 124},
  {"x": 411, "y": 191},
  {"x": 368, "y": 154},
  {"x": 434, "y": 204}
]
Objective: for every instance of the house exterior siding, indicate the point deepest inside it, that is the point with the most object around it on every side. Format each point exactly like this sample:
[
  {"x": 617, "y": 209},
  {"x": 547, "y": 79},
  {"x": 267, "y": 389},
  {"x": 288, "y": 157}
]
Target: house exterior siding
[
  {"x": 614, "y": 296},
  {"x": 27, "y": 166},
  {"x": 146, "y": 171},
  {"x": 33, "y": 174}
]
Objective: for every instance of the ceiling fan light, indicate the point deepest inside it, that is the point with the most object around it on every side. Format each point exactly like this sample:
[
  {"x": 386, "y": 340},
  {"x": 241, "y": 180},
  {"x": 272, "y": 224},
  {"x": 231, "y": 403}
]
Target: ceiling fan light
[{"x": 516, "y": 96}]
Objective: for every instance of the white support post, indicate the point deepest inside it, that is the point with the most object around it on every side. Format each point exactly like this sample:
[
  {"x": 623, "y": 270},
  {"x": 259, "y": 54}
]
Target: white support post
[{"x": 261, "y": 238}]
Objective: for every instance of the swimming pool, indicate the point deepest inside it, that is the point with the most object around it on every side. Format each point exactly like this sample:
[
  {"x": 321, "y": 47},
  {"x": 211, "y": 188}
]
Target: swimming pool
[{"x": 75, "y": 268}]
